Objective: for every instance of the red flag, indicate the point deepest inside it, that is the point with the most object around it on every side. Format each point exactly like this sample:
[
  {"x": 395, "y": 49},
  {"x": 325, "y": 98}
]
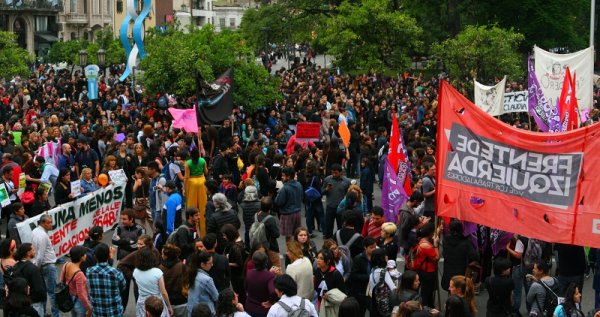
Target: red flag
[
  {"x": 395, "y": 152},
  {"x": 573, "y": 107},
  {"x": 397, "y": 157},
  {"x": 567, "y": 103}
]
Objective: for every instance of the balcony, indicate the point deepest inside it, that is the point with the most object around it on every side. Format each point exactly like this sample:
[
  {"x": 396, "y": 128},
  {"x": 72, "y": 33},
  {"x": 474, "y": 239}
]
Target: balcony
[
  {"x": 32, "y": 5},
  {"x": 202, "y": 13},
  {"x": 76, "y": 18}
]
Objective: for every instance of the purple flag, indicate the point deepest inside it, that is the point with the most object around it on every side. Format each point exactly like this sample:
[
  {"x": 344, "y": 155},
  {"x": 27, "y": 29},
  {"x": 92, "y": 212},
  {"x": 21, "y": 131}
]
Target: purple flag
[
  {"x": 392, "y": 194},
  {"x": 538, "y": 106}
]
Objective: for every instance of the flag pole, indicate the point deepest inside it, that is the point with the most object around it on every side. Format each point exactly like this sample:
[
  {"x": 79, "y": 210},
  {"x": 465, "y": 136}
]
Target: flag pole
[
  {"x": 529, "y": 117},
  {"x": 592, "y": 22}
]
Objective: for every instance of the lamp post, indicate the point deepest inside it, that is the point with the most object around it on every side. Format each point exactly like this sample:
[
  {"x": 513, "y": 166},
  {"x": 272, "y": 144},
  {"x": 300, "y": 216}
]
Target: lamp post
[
  {"x": 102, "y": 62},
  {"x": 83, "y": 55}
]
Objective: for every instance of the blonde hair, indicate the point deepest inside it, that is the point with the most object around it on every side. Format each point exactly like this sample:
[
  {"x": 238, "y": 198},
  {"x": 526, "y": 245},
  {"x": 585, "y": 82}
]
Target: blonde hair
[
  {"x": 83, "y": 171},
  {"x": 389, "y": 228},
  {"x": 295, "y": 248}
]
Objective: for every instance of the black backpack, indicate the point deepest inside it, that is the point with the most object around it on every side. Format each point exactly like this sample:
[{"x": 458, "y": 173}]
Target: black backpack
[
  {"x": 382, "y": 295},
  {"x": 550, "y": 300},
  {"x": 64, "y": 301}
]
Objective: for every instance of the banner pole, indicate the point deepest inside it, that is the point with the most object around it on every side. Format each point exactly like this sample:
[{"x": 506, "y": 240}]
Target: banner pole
[{"x": 529, "y": 117}]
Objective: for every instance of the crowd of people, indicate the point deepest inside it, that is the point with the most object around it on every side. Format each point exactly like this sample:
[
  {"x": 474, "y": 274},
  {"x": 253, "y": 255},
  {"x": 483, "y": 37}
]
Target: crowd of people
[{"x": 202, "y": 215}]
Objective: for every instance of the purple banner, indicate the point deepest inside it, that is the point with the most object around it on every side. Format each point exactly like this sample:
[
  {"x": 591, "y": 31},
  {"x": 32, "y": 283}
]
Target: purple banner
[
  {"x": 538, "y": 106},
  {"x": 392, "y": 194}
]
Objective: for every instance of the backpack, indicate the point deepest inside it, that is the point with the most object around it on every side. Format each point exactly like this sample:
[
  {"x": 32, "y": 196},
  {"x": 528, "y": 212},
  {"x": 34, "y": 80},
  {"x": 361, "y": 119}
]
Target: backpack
[
  {"x": 412, "y": 259},
  {"x": 301, "y": 311},
  {"x": 533, "y": 253},
  {"x": 64, "y": 301},
  {"x": 381, "y": 295},
  {"x": 550, "y": 300},
  {"x": 311, "y": 193},
  {"x": 258, "y": 230},
  {"x": 166, "y": 172},
  {"x": 344, "y": 248},
  {"x": 171, "y": 238}
]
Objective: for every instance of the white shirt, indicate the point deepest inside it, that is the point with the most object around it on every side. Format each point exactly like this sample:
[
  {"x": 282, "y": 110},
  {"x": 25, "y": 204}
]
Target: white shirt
[
  {"x": 277, "y": 311},
  {"x": 44, "y": 252}
]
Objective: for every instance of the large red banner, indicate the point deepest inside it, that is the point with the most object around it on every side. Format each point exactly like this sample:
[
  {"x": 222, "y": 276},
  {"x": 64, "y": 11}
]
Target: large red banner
[{"x": 540, "y": 185}]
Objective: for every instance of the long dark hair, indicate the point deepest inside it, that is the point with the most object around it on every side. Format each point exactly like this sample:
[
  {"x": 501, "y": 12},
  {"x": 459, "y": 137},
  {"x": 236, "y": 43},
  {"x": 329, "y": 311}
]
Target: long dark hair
[
  {"x": 225, "y": 307},
  {"x": 17, "y": 294},
  {"x": 196, "y": 259},
  {"x": 569, "y": 305},
  {"x": 407, "y": 281},
  {"x": 195, "y": 155}
]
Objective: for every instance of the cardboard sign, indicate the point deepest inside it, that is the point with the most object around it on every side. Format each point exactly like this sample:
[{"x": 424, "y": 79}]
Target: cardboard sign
[{"x": 308, "y": 131}]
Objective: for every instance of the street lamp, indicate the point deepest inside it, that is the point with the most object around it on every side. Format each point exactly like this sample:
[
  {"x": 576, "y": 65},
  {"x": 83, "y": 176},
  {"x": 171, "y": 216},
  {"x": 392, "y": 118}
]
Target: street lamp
[
  {"x": 101, "y": 57},
  {"x": 102, "y": 61},
  {"x": 83, "y": 58}
]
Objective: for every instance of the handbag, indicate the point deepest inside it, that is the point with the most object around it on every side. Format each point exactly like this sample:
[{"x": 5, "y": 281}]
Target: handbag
[
  {"x": 141, "y": 206},
  {"x": 311, "y": 193},
  {"x": 64, "y": 301}
]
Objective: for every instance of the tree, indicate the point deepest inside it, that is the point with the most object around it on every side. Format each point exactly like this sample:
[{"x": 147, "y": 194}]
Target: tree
[
  {"x": 369, "y": 36},
  {"x": 482, "y": 52},
  {"x": 68, "y": 51},
  {"x": 175, "y": 58},
  {"x": 14, "y": 60}
]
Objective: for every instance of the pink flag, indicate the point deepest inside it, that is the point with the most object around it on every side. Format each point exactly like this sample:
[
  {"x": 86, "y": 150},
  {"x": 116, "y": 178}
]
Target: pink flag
[{"x": 185, "y": 119}]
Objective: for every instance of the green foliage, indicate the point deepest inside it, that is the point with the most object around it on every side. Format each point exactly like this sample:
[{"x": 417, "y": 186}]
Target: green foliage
[
  {"x": 484, "y": 52},
  {"x": 14, "y": 60},
  {"x": 174, "y": 58},
  {"x": 69, "y": 51},
  {"x": 369, "y": 36},
  {"x": 285, "y": 22}
]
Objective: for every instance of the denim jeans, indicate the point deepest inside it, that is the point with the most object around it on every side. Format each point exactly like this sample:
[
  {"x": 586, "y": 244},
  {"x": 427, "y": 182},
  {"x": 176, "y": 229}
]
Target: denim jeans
[
  {"x": 517, "y": 277},
  {"x": 49, "y": 275},
  {"x": 314, "y": 211},
  {"x": 78, "y": 309},
  {"x": 39, "y": 308}
]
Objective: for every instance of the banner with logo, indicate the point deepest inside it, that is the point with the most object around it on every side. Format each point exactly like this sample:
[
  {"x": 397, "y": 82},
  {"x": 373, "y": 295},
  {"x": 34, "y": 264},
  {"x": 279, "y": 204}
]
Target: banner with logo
[
  {"x": 550, "y": 69},
  {"x": 490, "y": 98},
  {"x": 72, "y": 221},
  {"x": 515, "y": 102},
  {"x": 392, "y": 194},
  {"x": 540, "y": 185}
]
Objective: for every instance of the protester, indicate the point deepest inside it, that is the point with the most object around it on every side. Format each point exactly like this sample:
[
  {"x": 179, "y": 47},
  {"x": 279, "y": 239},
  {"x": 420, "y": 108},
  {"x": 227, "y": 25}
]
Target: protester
[
  {"x": 150, "y": 282},
  {"x": 286, "y": 290},
  {"x": 27, "y": 269},
  {"x": 18, "y": 302},
  {"x": 174, "y": 272},
  {"x": 289, "y": 201},
  {"x": 74, "y": 277},
  {"x": 45, "y": 258},
  {"x": 105, "y": 284},
  {"x": 259, "y": 286},
  {"x": 201, "y": 286}
]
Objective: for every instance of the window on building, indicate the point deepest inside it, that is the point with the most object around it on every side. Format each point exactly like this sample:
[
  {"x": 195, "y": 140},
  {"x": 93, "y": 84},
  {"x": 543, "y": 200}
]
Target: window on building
[
  {"x": 41, "y": 23},
  {"x": 119, "y": 6},
  {"x": 109, "y": 7},
  {"x": 96, "y": 7},
  {"x": 73, "y": 6},
  {"x": 222, "y": 22},
  {"x": 85, "y": 6},
  {"x": 73, "y": 36},
  {"x": 232, "y": 23}
]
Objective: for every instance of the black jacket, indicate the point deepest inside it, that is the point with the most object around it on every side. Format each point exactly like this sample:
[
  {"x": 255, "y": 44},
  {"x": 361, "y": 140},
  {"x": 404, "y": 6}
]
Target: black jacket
[
  {"x": 220, "y": 272},
  {"x": 359, "y": 275},
  {"x": 249, "y": 208},
  {"x": 184, "y": 240},
  {"x": 216, "y": 221},
  {"x": 61, "y": 193},
  {"x": 458, "y": 252},
  {"x": 33, "y": 275}
]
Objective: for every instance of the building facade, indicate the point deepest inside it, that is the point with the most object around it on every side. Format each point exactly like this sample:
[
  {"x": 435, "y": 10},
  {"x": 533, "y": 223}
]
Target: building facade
[
  {"x": 81, "y": 19},
  {"x": 120, "y": 13},
  {"x": 34, "y": 22}
]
